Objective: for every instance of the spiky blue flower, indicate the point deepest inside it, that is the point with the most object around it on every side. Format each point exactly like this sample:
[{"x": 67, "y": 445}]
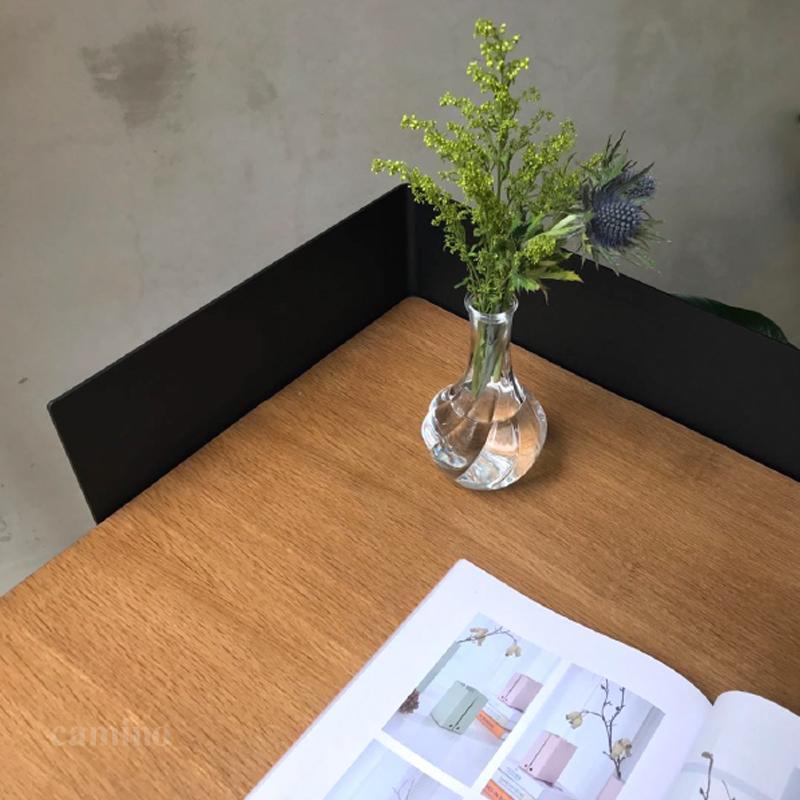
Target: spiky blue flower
[
  {"x": 615, "y": 222},
  {"x": 613, "y": 202},
  {"x": 641, "y": 187}
]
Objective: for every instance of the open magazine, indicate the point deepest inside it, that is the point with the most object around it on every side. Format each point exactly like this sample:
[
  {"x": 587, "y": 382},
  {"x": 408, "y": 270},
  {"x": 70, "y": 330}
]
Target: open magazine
[{"x": 483, "y": 693}]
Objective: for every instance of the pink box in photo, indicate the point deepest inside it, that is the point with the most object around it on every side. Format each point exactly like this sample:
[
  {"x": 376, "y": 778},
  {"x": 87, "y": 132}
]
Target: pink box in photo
[
  {"x": 548, "y": 757},
  {"x": 612, "y": 789},
  {"x": 520, "y": 691}
]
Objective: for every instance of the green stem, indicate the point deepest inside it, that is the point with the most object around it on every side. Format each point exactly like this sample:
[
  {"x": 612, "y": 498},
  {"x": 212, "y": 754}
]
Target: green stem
[
  {"x": 488, "y": 356},
  {"x": 478, "y": 355}
]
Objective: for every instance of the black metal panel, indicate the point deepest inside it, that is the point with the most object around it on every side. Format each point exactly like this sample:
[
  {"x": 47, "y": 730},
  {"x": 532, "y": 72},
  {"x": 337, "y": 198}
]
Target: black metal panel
[
  {"x": 125, "y": 427},
  {"x": 731, "y": 384}
]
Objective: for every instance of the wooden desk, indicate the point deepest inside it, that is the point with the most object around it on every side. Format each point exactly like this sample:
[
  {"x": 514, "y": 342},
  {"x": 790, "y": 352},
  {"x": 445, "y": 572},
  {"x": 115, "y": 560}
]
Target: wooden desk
[{"x": 236, "y": 597}]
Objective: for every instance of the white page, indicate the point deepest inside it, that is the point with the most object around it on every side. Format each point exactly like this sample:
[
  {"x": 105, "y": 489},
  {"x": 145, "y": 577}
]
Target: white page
[
  {"x": 755, "y": 746},
  {"x": 362, "y": 748}
]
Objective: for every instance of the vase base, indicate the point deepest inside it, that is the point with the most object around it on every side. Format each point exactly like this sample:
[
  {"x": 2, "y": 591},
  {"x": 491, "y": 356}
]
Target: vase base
[{"x": 483, "y": 456}]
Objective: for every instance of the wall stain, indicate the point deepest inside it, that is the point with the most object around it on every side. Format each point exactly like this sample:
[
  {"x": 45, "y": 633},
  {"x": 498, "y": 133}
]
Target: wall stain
[{"x": 145, "y": 72}]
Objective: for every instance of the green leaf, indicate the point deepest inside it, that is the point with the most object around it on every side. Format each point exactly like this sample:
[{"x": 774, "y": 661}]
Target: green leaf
[
  {"x": 566, "y": 227},
  {"x": 526, "y": 283},
  {"x": 752, "y": 320},
  {"x": 534, "y": 227},
  {"x": 518, "y": 228},
  {"x": 562, "y": 275}
]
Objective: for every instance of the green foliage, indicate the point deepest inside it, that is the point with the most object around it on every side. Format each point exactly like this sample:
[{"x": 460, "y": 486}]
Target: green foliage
[
  {"x": 753, "y": 320},
  {"x": 514, "y": 183}
]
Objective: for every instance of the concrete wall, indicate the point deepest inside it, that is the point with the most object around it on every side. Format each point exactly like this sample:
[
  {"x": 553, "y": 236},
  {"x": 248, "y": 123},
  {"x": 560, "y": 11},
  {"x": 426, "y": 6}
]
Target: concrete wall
[{"x": 153, "y": 154}]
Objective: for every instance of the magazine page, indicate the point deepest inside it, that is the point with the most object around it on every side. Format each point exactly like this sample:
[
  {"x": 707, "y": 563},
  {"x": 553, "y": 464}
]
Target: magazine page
[
  {"x": 483, "y": 693},
  {"x": 749, "y": 749}
]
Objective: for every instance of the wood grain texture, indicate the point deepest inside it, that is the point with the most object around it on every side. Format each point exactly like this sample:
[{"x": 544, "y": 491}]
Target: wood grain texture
[{"x": 231, "y": 601}]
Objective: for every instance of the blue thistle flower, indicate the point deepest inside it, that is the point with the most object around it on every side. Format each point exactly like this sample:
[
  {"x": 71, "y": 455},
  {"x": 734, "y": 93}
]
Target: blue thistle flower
[
  {"x": 615, "y": 222},
  {"x": 641, "y": 187},
  {"x": 613, "y": 199}
]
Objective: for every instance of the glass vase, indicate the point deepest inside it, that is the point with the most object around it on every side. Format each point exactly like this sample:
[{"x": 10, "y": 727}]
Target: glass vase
[{"x": 486, "y": 431}]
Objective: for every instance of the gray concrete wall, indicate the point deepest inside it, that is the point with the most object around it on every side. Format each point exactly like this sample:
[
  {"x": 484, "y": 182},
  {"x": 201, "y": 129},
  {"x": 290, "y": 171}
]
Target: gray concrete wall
[{"x": 153, "y": 154}]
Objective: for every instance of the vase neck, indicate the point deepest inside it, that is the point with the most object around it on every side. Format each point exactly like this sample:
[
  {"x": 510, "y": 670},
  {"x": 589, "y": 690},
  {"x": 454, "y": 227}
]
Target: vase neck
[{"x": 490, "y": 336}]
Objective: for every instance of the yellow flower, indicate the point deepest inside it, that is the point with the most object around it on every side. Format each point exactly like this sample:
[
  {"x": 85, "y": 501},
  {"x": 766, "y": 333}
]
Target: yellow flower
[
  {"x": 622, "y": 748},
  {"x": 514, "y": 650},
  {"x": 575, "y": 719}
]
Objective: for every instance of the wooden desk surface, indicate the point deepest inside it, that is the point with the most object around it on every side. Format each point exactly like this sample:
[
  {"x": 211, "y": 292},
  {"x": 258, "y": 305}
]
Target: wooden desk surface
[{"x": 230, "y": 602}]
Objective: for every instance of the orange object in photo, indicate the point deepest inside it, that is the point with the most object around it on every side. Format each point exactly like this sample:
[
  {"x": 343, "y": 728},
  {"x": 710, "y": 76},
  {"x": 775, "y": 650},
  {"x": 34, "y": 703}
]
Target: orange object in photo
[
  {"x": 494, "y": 792},
  {"x": 494, "y": 727}
]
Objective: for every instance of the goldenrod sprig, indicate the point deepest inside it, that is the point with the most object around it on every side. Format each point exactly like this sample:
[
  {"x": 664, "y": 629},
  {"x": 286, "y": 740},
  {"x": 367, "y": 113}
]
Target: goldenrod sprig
[{"x": 515, "y": 191}]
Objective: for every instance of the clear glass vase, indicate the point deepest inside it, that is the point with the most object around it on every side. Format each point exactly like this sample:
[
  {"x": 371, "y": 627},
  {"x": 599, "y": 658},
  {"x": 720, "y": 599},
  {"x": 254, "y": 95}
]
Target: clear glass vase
[{"x": 485, "y": 430}]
